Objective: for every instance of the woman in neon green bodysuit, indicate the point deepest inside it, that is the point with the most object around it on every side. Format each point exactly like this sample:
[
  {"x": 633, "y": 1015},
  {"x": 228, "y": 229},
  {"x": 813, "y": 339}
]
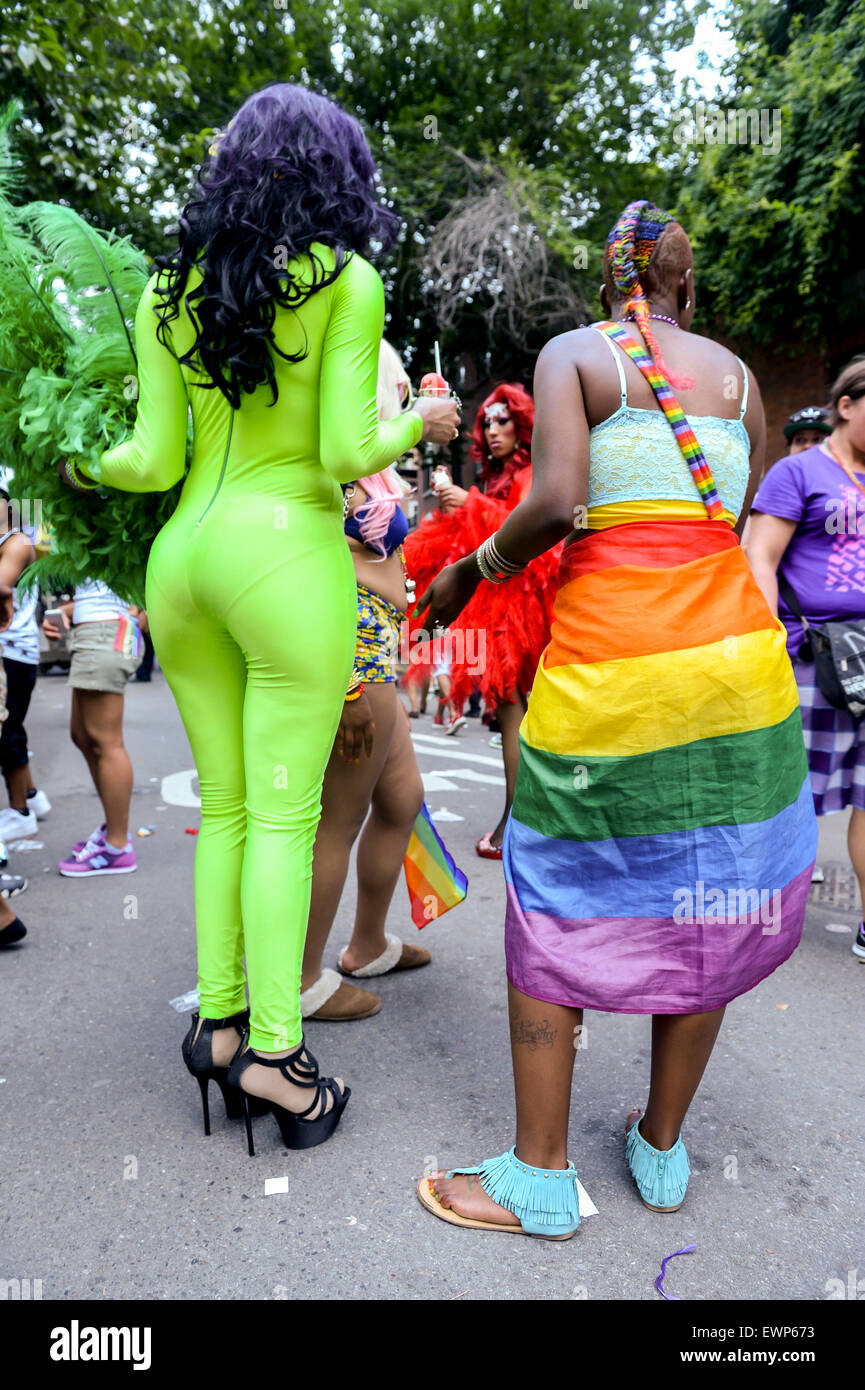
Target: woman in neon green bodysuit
[{"x": 251, "y": 591}]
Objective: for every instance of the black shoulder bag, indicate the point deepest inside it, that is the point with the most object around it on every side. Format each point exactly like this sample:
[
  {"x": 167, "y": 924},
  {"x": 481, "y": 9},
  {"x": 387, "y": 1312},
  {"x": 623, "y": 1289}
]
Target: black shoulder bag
[{"x": 838, "y": 653}]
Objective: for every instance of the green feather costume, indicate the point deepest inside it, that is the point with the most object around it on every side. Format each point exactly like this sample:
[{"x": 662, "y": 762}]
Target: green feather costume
[{"x": 68, "y": 295}]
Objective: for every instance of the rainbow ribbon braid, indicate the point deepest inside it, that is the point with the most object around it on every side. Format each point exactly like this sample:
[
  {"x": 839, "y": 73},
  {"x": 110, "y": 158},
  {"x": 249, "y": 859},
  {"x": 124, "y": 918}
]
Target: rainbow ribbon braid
[
  {"x": 676, "y": 418},
  {"x": 630, "y": 246}
]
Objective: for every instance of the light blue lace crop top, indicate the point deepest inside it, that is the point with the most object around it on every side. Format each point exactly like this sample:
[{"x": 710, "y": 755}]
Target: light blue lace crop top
[{"x": 634, "y": 457}]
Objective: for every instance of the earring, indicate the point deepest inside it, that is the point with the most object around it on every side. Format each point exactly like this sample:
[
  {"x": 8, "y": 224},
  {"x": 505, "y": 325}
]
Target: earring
[{"x": 688, "y": 305}]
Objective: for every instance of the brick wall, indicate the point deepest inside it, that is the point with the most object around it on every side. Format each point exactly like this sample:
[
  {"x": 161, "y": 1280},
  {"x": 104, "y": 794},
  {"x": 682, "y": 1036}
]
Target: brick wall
[
  {"x": 786, "y": 384},
  {"x": 790, "y": 381}
]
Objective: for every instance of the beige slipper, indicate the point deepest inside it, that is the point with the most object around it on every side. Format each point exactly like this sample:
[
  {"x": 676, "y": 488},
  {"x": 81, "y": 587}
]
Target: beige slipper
[
  {"x": 397, "y": 955},
  {"x": 429, "y": 1200},
  {"x": 331, "y": 1000}
]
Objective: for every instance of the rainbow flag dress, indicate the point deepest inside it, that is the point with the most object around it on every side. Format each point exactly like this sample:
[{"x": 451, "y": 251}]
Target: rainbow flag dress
[{"x": 659, "y": 851}]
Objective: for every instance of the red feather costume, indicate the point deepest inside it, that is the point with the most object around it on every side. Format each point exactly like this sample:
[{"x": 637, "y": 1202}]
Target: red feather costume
[{"x": 504, "y": 627}]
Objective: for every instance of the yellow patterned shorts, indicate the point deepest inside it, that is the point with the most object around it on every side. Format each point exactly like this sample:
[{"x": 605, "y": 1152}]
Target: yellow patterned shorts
[{"x": 378, "y": 629}]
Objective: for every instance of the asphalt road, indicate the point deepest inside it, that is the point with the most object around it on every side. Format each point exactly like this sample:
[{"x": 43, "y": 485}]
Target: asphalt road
[{"x": 112, "y": 1191}]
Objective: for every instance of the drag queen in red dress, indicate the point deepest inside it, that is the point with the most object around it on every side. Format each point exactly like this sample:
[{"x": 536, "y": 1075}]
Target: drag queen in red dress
[{"x": 496, "y": 642}]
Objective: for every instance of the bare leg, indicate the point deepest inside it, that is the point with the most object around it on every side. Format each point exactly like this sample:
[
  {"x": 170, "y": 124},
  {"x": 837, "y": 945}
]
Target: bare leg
[
  {"x": 18, "y": 782},
  {"x": 444, "y": 685},
  {"x": 510, "y": 717},
  {"x": 681, "y": 1047},
  {"x": 7, "y": 916},
  {"x": 543, "y": 1047},
  {"x": 396, "y": 800},
  {"x": 417, "y": 691},
  {"x": 856, "y": 849},
  {"x": 102, "y": 717},
  {"x": 345, "y": 801},
  {"x": 81, "y": 738}
]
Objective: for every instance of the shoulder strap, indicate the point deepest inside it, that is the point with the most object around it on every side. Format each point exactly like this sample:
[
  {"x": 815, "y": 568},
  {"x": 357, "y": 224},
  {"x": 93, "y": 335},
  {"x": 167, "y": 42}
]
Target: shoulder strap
[
  {"x": 623, "y": 388},
  {"x": 744, "y": 388},
  {"x": 789, "y": 596},
  {"x": 685, "y": 437}
]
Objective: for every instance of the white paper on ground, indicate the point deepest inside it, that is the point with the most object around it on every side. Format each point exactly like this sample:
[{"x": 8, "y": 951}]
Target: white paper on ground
[
  {"x": 837, "y": 926},
  {"x": 272, "y": 1185},
  {"x": 444, "y": 814},
  {"x": 587, "y": 1206},
  {"x": 185, "y": 1003}
]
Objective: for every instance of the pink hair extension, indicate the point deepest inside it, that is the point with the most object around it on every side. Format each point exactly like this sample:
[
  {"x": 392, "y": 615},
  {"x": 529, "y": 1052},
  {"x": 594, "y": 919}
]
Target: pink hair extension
[{"x": 374, "y": 516}]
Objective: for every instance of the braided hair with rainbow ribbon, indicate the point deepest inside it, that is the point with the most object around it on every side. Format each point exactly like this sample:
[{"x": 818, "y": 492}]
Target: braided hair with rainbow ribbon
[{"x": 630, "y": 247}]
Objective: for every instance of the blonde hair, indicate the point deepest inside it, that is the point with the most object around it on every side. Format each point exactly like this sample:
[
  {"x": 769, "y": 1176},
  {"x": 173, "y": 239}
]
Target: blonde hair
[
  {"x": 849, "y": 382},
  {"x": 386, "y": 489},
  {"x": 391, "y": 373}
]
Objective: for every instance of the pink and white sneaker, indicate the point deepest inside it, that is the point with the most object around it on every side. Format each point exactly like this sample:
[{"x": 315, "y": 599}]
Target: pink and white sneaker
[
  {"x": 94, "y": 859},
  {"x": 96, "y": 837}
]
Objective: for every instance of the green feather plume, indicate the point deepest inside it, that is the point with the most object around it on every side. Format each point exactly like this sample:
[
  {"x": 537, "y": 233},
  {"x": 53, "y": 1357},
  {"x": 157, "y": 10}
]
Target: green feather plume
[{"x": 68, "y": 296}]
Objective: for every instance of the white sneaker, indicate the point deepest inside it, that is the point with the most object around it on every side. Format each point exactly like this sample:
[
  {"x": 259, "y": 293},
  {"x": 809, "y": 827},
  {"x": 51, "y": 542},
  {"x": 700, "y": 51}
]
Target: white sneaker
[
  {"x": 496, "y": 741},
  {"x": 455, "y": 724},
  {"x": 11, "y": 885},
  {"x": 39, "y": 804},
  {"x": 14, "y": 826}
]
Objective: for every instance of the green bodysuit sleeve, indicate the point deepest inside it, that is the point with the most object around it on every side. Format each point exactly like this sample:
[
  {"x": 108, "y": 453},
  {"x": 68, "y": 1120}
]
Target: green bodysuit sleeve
[
  {"x": 353, "y": 441},
  {"x": 154, "y": 456}
]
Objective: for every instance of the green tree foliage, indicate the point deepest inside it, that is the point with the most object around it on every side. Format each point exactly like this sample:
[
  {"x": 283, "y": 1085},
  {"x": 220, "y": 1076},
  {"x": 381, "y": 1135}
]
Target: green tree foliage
[
  {"x": 569, "y": 95},
  {"x": 778, "y": 233},
  {"x": 93, "y": 80},
  {"x": 555, "y": 92}
]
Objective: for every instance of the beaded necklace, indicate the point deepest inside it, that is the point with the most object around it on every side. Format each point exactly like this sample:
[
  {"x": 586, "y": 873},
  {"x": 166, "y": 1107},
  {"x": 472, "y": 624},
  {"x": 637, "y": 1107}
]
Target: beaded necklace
[
  {"x": 632, "y": 318},
  {"x": 841, "y": 464}
]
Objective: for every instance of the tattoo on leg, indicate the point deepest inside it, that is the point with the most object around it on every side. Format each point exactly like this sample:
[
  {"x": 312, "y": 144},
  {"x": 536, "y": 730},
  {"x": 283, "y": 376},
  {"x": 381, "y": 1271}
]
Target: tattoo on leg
[{"x": 533, "y": 1033}]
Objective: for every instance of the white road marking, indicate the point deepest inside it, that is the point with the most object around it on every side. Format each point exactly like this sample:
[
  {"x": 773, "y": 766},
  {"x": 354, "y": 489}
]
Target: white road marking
[
  {"x": 177, "y": 789},
  {"x": 434, "y": 782},
  {"x": 438, "y": 779},
  {"x": 434, "y": 746}
]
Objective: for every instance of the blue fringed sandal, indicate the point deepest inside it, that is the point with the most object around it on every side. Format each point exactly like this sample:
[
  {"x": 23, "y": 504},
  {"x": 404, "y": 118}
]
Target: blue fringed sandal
[
  {"x": 544, "y": 1199},
  {"x": 661, "y": 1175}
]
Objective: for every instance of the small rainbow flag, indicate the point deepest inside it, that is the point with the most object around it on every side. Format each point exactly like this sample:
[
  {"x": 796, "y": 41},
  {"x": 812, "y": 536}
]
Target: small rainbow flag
[
  {"x": 434, "y": 882},
  {"x": 128, "y": 639}
]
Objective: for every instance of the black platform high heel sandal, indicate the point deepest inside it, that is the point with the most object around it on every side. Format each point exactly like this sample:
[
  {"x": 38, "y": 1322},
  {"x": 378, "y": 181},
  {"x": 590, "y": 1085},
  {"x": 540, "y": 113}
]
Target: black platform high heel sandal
[
  {"x": 198, "y": 1056},
  {"x": 297, "y": 1131}
]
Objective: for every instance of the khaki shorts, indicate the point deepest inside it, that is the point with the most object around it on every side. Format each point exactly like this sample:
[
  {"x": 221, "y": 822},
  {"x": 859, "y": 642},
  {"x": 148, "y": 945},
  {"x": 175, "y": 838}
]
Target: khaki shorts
[{"x": 95, "y": 663}]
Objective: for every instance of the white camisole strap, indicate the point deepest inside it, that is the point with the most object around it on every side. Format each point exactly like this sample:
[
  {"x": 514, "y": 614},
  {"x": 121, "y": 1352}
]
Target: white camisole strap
[
  {"x": 619, "y": 368},
  {"x": 744, "y": 388}
]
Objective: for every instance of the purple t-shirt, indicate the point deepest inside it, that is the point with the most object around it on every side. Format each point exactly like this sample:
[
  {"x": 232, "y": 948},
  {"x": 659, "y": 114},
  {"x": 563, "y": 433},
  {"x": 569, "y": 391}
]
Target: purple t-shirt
[{"x": 824, "y": 564}]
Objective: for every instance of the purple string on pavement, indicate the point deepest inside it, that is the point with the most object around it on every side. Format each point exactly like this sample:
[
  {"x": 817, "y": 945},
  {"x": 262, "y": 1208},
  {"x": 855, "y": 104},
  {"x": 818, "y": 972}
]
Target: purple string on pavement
[{"x": 659, "y": 1282}]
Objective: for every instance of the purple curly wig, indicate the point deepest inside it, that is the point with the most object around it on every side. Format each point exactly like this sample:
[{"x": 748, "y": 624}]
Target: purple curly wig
[{"x": 291, "y": 169}]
